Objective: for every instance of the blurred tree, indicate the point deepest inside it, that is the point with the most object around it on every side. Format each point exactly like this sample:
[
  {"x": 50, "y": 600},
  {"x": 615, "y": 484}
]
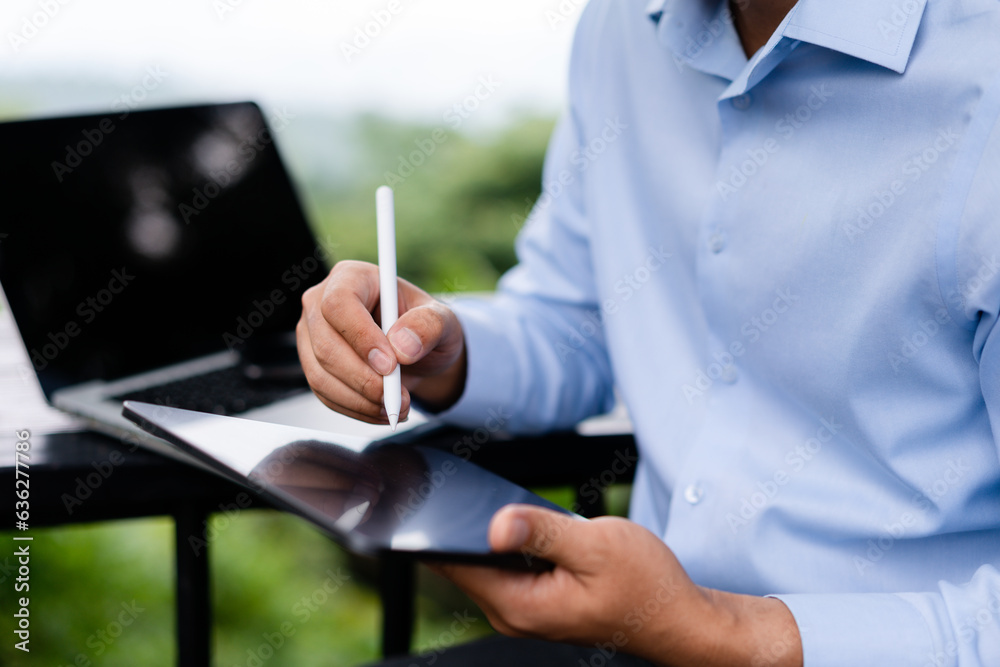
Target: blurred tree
[{"x": 459, "y": 200}]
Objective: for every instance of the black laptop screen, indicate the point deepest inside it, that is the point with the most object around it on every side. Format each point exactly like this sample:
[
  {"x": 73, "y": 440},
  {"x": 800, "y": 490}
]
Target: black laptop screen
[{"x": 133, "y": 241}]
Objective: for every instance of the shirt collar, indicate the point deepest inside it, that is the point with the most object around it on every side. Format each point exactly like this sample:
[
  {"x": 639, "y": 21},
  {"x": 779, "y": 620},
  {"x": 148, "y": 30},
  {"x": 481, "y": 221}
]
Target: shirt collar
[
  {"x": 700, "y": 34},
  {"x": 879, "y": 31}
]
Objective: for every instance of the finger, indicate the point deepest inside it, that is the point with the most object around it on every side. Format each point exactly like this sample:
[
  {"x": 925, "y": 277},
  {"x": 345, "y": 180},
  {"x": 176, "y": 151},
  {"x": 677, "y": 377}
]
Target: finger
[
  {"x": 348, "y": 299},
  {"x": 537, "y": 531},
  {"x": 505, "y": 596},
  {"x": 313, "y": 351},
  {"x": 338, "y": 359},
  {"x": 362, "y": 402},
  {"x": 339, "y": 401},
  {"x": 477, "y": 581},
  {"x": 341, "y": 398},
  {"x": 422, "y": 329}
]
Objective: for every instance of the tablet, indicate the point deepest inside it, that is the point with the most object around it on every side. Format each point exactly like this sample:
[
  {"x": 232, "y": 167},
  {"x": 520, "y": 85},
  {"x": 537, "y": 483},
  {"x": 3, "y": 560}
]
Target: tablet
[{"x": 370, "y": 496}]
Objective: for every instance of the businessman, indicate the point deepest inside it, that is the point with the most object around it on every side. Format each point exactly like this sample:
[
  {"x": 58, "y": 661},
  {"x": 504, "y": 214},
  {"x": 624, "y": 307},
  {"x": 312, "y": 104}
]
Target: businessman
[{"x": 775, "y": 227}]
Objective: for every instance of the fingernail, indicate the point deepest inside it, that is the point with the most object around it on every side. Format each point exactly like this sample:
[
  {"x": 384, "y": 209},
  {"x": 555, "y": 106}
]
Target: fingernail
[
  {"x": 519, "y": 532},
  {"x": 380, "y": 361},
  {"x": 406, "y": 342}
]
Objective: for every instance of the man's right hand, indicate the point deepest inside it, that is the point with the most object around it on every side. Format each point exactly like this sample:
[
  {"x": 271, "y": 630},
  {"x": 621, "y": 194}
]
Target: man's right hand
[{"x": 344, "y": 353}]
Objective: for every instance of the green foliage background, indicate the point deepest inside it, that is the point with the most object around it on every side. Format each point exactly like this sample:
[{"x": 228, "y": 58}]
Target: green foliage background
[{"x": 457, "y": 215}]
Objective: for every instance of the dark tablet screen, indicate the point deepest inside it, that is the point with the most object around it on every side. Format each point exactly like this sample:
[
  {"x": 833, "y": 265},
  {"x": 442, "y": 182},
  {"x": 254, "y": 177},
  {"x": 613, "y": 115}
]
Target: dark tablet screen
[{"x": 370, "y": 496}]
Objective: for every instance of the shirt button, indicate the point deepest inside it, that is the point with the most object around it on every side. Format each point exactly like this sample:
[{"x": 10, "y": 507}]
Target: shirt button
[
  {"x": 693, "y": 494},
  {"x": 730, "y": 375},
  {"x": 742, "y": 102},
  {"x": 716, "y": 242}
]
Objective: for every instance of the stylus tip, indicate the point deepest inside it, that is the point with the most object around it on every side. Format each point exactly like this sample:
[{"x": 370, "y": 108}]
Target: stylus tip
[{"x": 393, "y": 420}]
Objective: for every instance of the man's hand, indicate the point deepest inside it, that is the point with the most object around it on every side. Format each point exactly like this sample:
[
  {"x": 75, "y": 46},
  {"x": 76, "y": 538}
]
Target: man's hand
[
  {"x": 619, "y": 587},
  {"x": 344, "y": 353}
]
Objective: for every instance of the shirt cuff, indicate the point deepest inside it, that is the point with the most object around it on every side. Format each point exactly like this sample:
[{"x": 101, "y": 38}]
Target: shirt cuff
[
  {"x": 861, "y": 630},
  {"x": 487, "y": 401}
]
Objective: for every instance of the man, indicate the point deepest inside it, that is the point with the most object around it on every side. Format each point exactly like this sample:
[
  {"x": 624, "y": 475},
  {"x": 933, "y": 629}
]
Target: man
[{"x": 775, "y": 229}]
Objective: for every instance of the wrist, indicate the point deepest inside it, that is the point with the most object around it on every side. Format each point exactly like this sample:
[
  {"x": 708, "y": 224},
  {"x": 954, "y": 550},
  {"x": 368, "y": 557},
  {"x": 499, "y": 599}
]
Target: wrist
[
  {"x": 752, "y": 630},
  {"x": 439, "y": 392},
  {"x": 726, "y": 629}
]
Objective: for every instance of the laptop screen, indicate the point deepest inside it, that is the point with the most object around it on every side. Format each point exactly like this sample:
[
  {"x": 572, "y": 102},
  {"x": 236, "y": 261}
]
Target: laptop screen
[{"x": 129, "y": 242}]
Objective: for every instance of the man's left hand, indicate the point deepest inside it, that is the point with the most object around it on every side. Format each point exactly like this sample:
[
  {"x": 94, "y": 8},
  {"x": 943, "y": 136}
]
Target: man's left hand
[{"x": 616, "y": 583}]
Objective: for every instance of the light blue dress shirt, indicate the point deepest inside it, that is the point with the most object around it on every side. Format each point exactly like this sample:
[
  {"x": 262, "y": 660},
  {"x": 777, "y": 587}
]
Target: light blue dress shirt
[{"x": 790, "y": 268}]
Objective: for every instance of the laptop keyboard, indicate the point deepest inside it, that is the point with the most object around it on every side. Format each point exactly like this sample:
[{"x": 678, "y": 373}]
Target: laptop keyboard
[{"x": 227, "y": 391}]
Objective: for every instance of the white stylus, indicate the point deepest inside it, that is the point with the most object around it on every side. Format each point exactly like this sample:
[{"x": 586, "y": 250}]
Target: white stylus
[{"x": 385, "y": 220}]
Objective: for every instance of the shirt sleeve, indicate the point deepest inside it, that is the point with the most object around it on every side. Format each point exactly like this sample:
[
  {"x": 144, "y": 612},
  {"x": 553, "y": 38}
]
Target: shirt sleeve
[
  {"x": 536, "y": 351},
  {"x": 957, "y": 626}
]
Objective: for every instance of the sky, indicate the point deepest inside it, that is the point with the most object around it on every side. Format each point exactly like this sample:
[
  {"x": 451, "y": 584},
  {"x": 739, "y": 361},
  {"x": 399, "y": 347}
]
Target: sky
[{"x": 409, "y": 59}]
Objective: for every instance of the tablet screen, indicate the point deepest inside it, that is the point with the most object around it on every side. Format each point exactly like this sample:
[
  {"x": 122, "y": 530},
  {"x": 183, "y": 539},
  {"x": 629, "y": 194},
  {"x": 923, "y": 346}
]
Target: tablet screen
[{"x": 370, "y": 496}]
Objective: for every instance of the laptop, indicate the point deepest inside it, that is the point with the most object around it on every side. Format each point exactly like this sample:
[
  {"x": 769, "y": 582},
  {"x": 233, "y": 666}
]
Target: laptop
[
  {"x": 161, "y": 256},
  {"x": 371, "y": 497}
]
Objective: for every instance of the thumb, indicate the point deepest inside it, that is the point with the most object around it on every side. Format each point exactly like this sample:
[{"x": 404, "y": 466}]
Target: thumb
[
  {"x": 537, "y": 531},
  {"x": 421, "y": 330}
]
